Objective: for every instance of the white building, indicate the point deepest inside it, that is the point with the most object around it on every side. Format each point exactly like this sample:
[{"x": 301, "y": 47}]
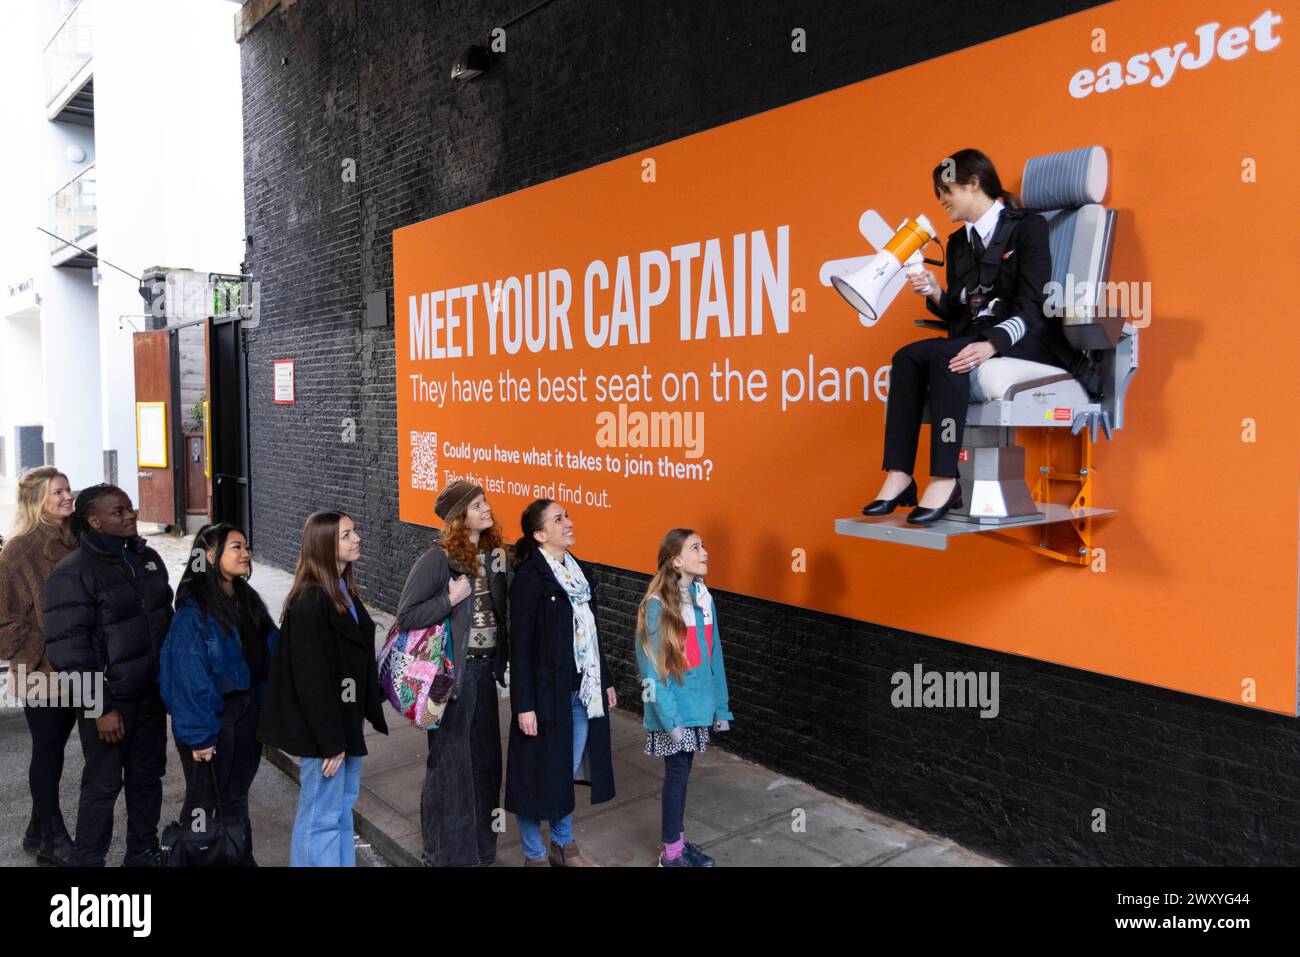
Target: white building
[{"x": 122, "y": 128}]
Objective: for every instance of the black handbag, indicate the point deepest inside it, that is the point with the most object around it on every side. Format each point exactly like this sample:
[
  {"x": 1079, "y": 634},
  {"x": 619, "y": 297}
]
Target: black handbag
[{"x": 221, "y": 842}]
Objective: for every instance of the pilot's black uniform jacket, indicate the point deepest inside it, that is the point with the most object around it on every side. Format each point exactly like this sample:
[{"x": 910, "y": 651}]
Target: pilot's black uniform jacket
[
  {"x": 1000, "y": 299},
  {"x": 1015, "y": 268}
]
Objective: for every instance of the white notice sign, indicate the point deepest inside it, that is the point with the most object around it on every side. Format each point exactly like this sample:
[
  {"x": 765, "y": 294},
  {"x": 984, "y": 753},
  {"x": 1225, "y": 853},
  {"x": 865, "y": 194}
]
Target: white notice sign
[{"x": 283, "y": 381}]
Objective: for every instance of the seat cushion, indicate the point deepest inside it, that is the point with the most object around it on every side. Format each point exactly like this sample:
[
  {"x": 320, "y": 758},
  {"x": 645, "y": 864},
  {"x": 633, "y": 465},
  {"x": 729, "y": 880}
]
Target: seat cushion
[{"x": 994, "y": 377}]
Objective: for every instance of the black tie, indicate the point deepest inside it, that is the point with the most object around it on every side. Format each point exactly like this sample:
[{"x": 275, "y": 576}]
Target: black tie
[{"x": 977, "y": 244}]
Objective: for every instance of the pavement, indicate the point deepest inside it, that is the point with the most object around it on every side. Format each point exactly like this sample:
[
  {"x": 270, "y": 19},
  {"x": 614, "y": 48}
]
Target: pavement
[
  {"x": 273, "y": 798},
  {"x": 272, "y": 801},
  {"x": 741, "y": 813}
]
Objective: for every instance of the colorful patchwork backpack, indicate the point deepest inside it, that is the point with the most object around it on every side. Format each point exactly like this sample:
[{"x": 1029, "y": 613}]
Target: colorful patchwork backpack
[{"x": 417, "y": 673}]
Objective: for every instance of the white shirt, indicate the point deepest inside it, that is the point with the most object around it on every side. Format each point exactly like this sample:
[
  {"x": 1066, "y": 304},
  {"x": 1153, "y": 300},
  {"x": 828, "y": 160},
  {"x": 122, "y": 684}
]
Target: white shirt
[{"x": 985, "y": 224}]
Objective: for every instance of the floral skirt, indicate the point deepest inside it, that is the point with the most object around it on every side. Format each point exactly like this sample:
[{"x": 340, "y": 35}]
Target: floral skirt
[{"x": 660, "y": 744}]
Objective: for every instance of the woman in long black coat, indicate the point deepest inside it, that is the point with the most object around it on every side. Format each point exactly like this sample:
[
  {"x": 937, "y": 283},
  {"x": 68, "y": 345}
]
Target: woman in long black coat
[
  {"x": 560, "y": 689},
  {"x": 322, "y": 688}
]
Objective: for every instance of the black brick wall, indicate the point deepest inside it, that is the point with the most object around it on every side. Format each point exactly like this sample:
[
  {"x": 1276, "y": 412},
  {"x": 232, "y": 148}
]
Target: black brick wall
[{"x": 1182, "y": 780}]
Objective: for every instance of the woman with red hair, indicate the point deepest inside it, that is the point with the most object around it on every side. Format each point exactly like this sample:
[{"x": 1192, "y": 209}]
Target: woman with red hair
[{"x": 462, "y": 577}]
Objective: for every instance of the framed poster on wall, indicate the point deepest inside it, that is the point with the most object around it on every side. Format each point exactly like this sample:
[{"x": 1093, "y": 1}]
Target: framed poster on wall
[{"x": 151, "y": 435}]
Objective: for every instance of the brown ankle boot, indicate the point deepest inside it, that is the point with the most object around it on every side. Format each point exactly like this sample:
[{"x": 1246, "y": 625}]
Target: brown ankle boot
[
  {"x": 568, "y": 856},
  {"x": 537, "y": 862}
]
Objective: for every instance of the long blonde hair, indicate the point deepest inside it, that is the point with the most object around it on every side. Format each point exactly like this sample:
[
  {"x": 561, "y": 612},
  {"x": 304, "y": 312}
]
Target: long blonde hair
[
  {"x": 33, "y": 490},
  {"x": 671, "y": 656}
]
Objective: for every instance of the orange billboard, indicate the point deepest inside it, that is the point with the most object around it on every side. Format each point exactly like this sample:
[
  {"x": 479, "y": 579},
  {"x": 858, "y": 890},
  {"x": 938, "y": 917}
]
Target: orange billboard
[{"x": 650, "y": 342}]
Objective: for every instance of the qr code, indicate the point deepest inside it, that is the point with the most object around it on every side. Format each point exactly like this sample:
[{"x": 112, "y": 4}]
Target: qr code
[{"x": 424, "y": 461}]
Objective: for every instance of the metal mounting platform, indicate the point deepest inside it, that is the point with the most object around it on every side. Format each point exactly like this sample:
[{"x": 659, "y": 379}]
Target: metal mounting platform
[{"x": 894, "y": 528}]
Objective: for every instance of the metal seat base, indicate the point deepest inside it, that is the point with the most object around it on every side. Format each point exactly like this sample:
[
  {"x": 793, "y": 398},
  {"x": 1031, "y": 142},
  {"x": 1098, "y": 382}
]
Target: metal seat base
[{"x": 894, "y": 528}]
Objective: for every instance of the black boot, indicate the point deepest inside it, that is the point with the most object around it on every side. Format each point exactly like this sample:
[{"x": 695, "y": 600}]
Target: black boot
[
  {"x": 58, "y": 852},
  {"x": 32, "y": 839}
]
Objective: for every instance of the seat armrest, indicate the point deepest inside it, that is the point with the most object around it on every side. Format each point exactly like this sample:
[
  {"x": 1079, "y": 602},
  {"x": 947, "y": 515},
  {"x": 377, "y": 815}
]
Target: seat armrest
[
  {"x": 1020, "y": 387},
  {"x": 930, "y": 324}
]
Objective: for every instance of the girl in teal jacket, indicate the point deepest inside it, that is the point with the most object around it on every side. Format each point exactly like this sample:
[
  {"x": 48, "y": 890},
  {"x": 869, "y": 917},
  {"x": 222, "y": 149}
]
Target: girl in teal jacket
[{"x": 683, "y": 681}]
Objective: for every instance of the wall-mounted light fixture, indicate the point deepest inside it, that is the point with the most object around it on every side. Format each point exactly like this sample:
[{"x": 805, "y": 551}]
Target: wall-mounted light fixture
[
  {"x": 473, "y": 60},
  {"x": 470, "y": 63}
]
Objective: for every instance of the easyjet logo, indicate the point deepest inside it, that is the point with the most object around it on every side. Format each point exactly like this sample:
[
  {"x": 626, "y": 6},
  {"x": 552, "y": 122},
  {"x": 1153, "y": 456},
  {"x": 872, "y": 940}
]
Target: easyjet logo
[{"x": 1159, "y": 66}]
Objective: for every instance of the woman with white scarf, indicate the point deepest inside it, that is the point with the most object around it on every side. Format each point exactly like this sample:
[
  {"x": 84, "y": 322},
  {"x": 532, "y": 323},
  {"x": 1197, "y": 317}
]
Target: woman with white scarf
[{"x": 560, "y": 690}]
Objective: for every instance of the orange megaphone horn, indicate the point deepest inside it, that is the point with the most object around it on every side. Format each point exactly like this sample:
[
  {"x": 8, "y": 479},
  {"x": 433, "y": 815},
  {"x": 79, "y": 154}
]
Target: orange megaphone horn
[{"x": 864, "y": 288}]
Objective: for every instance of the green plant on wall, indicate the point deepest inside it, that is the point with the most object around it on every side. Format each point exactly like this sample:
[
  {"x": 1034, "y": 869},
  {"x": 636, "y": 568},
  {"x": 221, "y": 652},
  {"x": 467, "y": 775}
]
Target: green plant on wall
[{"x": 226, "y": 297}]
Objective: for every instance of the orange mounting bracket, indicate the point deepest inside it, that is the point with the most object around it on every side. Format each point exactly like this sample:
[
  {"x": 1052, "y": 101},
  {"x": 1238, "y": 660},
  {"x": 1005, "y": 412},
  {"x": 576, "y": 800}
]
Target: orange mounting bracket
[{"x": 1065, "y": 475}]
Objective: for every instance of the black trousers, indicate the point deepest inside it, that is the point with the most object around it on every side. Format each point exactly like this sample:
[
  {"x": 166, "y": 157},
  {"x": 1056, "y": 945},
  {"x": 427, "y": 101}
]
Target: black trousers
[
  {"x": 50, "y": 728},
  {"x": 920, "y": 370},
  {"x": 236, "y": 762},
  {"x": 137, "y": 762},
  {"x": 461, "y": 797}
]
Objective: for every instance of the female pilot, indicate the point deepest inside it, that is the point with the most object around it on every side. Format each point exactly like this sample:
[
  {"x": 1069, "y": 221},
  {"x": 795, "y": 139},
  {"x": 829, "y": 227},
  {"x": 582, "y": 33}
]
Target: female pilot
[{"x": 997, "y": 264}]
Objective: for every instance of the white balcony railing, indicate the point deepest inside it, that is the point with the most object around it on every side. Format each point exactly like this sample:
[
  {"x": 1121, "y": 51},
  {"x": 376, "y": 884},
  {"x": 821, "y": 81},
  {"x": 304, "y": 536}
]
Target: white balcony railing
[{"x": 68, "y": 53}]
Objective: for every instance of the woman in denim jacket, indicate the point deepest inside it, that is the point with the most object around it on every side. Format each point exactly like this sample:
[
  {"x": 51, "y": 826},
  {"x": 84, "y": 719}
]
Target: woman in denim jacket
[{"x": 213, "y": 671}]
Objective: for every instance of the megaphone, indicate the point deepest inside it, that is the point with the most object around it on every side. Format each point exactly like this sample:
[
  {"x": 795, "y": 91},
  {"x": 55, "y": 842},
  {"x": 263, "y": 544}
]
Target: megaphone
[{"x": 864, "y": 288}]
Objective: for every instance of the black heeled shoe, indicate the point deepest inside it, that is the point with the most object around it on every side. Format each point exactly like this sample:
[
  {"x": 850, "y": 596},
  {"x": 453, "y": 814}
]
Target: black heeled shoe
[
  {"x": 883, "y": 506},
  {"x": 928, "y": 516}
]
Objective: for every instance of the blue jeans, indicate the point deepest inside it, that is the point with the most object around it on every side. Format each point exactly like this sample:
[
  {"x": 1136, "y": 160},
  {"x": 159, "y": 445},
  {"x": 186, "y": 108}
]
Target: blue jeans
[
  {"x": 322, "y": 831},
  {"x": 530, "y": 831}
]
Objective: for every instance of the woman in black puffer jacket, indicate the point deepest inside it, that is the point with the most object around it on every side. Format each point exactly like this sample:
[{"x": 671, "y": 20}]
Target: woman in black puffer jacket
[{"x": 107, "y": 609}]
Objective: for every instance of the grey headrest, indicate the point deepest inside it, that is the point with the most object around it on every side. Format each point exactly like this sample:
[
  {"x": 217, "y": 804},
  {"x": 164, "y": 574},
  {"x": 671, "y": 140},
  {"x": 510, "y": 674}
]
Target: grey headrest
[{"x": 1065, "y": 180}]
